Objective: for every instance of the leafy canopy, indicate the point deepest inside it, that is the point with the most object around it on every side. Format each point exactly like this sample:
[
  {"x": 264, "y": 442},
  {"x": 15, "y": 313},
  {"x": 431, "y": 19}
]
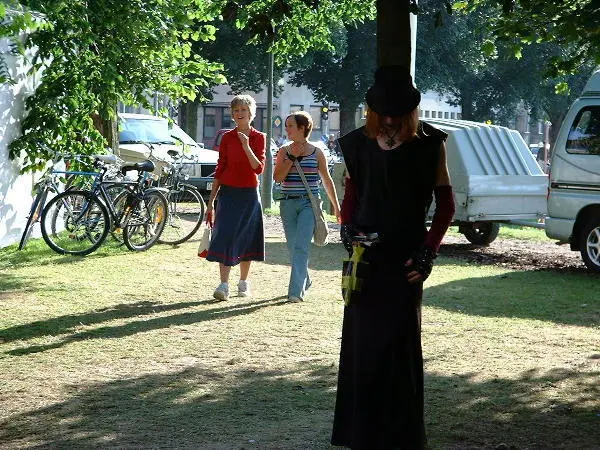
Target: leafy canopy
[
  {"x": 572, "y": 24},
  {"x": 93, "y": 54}
]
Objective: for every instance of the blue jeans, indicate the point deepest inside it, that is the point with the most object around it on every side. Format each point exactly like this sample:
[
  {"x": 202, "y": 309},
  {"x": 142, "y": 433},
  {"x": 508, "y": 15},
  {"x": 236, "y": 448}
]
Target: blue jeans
[{"x": 299, "y": 225}]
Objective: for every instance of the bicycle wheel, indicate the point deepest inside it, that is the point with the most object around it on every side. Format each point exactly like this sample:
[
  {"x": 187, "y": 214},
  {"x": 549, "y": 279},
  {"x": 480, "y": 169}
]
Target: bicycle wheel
[
  {"x": 186, "y": 211},
  {"x": 145, "y": 222},
  {"x": 75, "y": 223},
  {"x": 118, "y": 196},
  {"x": 34, "y": 215}
]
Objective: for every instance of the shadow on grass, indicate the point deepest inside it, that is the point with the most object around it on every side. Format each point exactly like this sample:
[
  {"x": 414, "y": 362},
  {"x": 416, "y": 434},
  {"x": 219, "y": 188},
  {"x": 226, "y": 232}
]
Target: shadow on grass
[
  {"x": 9, "y": 282},
  {"x": 37, "y": 253},
  {"x": 328, "y": 257},
  {"x": 201, "y": 407},
  {"x": 63, "y": 325},
  {"x": 568, "y": 299}
]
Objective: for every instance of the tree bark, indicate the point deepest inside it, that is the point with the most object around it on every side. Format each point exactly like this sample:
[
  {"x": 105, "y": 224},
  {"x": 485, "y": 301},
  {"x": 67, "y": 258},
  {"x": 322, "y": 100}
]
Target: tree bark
[
  {"x": 108, "y": 128},
  {"x": 466, "y": 103},
  {"x": 393, "y": 33},
  {"x": 347, "y": 116},
  {"x": 188, "y": 118}
]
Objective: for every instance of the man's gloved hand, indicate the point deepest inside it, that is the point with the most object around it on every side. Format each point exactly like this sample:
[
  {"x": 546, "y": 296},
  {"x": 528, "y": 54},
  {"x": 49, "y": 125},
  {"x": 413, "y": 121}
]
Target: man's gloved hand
[
  {"x": 420, "y": 264},
  {"x": 346, "y": 233}
]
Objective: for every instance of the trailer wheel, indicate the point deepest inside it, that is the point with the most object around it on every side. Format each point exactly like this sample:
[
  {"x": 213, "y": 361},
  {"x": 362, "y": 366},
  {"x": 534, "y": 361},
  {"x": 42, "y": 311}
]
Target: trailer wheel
[
  {"x": 480, "y": 233},
  {"x": 589, "y": 243}
]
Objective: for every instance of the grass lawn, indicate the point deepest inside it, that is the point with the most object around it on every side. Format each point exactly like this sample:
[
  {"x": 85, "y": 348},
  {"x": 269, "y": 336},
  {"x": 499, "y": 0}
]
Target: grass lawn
[{"x": 129, "y": 350}]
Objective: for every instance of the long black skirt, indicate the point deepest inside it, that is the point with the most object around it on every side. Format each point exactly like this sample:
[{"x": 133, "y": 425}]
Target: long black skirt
[
  {"x": 379, "y": 402},
  {"x": 238, "y": 234}
]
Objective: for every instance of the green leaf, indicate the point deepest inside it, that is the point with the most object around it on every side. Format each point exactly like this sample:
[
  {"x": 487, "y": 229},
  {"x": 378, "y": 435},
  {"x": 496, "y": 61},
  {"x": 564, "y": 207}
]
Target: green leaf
[
  {"x": 562, "y": 88},
  {"x": 488, "y": 48}
]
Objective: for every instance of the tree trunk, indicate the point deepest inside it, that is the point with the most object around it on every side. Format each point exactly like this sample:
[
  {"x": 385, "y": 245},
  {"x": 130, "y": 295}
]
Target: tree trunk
[
  {"x": 347, "y": 116},
  {"x": 188, "y": 118},
  {"x": 393, "y": 33},
  {"x": 108, "y": 128},
  {"x": 466, "y": 104}
]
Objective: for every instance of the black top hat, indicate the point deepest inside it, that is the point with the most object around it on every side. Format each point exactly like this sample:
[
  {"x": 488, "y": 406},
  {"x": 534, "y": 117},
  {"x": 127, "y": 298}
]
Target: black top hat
[{"x": 393, "y": 93}]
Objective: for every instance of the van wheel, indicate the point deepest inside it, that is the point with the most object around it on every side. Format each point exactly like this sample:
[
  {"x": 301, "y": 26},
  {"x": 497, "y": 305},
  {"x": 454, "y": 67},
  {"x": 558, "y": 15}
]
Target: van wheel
[
  {"x": 589, "y": 243},
  {"x": 480, "y": 233}
]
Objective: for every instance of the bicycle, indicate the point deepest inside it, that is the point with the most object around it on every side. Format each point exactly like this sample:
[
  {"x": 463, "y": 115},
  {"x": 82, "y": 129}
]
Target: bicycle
[
  {"x": 77, "y": 221},
  {"x": 50, "y": 183},
  {"x": 186, "y": 206}
]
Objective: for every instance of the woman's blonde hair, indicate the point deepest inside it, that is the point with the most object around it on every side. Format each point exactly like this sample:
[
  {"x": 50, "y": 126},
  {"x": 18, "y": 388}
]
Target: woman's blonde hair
[
  {"x": 245, "y": 100},
  {"x": 302, "y": 119},
  {"x": 406, "y": 124}
]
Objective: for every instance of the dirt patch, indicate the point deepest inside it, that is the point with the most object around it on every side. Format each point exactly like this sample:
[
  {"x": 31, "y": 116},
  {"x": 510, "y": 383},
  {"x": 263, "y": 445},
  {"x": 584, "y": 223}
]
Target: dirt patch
[{"x": 511, "y": 253}]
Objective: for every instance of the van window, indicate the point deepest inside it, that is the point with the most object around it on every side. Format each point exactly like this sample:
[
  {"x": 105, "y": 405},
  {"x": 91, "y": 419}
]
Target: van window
[{"x": 584, "y": 136}]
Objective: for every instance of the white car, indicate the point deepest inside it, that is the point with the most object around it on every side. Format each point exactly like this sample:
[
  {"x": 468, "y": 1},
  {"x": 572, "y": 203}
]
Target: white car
[{"x": 143, "y": 136}]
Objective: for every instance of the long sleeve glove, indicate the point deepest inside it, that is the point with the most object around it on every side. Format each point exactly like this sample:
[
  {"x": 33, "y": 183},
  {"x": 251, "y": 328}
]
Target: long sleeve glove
[
  {"x": 422, "y": 261},
  {"x": 442, "y": 217}
]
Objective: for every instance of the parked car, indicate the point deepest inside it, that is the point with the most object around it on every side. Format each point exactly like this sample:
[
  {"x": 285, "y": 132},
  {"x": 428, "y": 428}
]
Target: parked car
[{"x": 143, "y": 136}]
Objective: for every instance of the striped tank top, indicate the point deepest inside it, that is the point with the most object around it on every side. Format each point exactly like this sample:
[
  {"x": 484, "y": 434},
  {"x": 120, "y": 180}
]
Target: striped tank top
[{"x": 292, "y": 185}]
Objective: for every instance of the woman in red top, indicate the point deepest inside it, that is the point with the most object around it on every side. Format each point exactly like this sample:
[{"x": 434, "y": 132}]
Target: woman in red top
[{"x": 237, "y": 221}]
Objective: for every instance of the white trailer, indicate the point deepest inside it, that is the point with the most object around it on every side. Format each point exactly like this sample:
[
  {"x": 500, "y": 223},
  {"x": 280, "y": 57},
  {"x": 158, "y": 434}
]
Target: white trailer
[{"x": 495, "y": 178}]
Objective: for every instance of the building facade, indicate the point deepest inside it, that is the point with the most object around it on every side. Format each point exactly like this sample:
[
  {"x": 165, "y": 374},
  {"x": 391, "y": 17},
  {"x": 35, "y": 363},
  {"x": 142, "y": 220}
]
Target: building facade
[{"x": 215, "y": 115}]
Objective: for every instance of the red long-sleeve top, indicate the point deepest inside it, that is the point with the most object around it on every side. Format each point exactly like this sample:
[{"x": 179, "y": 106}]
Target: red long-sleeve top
[{"x": 233, "y": 167}]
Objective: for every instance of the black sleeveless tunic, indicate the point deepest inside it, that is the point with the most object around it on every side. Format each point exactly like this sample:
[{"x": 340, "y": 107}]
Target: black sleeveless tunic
[{"x": 379, "y": 403}]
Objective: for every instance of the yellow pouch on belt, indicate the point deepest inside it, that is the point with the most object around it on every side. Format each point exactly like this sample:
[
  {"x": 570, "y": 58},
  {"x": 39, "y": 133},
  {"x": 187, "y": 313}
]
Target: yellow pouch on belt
[{"x": 353, "y": 273}]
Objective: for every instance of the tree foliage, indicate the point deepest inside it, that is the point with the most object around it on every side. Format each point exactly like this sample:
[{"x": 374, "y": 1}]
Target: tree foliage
[
  {"x": 570, "y": 24},
  {"x": 93, "y": 54},
  {"x": 245, "y": 64},
  {"x": 341, "y": 76},
  {"x": 490, "y": 86}
]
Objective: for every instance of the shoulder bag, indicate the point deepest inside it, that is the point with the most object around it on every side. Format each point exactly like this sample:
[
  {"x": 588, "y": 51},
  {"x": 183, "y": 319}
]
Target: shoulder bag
[{"x": 321, "y": 228}]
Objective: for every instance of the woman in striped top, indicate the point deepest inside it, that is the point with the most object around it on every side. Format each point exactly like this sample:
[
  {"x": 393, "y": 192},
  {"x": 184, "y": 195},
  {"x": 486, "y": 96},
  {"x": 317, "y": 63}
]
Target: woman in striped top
[{"x": 295, "y": 207}]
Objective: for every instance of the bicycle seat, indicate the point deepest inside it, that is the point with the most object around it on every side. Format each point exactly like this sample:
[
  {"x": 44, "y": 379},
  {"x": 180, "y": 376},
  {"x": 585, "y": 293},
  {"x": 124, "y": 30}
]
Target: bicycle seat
[{"x": 144, "y": 166}]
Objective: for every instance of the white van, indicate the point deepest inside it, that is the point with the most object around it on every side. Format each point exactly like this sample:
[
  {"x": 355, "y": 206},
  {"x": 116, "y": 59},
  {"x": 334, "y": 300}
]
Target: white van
[{"x": 574, "y": 179}]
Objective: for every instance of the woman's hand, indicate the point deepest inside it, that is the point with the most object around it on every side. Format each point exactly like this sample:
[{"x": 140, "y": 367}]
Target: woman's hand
[
  {"x": 337, "y": 213},
  {"x": 243, "y": 139},
  {"x": 210, "y": 216}
]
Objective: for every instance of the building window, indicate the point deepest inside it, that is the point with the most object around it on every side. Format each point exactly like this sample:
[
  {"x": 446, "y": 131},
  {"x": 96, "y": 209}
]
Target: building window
[
  {"x": 315, "y": 113},
  {"x": 453, "y": 115},
  {"x": 210, "y": 123},
  {"x": 226, "y": 121},
  {"x": 426, "y": 114},
  {"x": 446, "y": 115},
  {"x": 260, "y": 121},
  {"x": 334, "y": 121},
  {"x": 296, "y": 108}
]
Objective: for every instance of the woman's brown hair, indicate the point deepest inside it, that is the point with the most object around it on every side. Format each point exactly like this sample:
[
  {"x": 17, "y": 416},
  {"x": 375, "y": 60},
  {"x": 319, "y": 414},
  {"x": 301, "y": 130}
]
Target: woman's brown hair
[
  {"x": 406, "y": 124},
  {"x": 302, "y": 119}
]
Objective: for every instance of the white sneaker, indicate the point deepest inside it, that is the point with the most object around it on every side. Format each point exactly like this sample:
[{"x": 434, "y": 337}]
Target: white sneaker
[
  {"x": 243, "y": 288},
  {"x": 222, "y": 292}
]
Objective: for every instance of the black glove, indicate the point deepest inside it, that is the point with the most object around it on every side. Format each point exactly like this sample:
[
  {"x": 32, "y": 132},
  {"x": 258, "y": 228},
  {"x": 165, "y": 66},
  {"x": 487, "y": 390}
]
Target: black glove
[
  {"x": 346, "y": 233},
  {"x": 422, "y": 261}
]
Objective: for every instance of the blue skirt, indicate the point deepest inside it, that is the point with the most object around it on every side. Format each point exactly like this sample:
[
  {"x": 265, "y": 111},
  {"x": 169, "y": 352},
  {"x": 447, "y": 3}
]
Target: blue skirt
[{"x": 238, "y": 234}]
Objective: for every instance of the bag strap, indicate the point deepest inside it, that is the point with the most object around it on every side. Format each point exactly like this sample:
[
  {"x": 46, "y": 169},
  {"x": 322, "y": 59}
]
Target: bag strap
[{"x": 313, "y": 200}]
